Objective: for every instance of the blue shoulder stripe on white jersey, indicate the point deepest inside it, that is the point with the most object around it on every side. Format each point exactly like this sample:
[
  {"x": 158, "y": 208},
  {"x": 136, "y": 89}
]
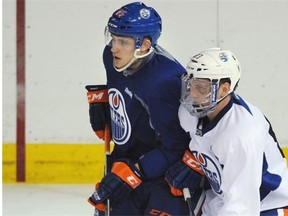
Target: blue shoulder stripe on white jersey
[{"x": 238, "y": 100}]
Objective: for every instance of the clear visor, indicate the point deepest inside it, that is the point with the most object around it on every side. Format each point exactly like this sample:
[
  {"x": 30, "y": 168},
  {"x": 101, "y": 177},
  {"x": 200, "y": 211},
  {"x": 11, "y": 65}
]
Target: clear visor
[
  {"x": 199, "y": 96},
  {"x": 107, "y": 36}
]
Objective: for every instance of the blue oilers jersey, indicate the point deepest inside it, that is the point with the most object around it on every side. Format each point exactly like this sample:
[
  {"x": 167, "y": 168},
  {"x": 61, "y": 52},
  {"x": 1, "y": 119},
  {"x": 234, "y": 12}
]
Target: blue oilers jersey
[
  {"x": 144, "y": 112},
  {"x": 241, "y": 159}
]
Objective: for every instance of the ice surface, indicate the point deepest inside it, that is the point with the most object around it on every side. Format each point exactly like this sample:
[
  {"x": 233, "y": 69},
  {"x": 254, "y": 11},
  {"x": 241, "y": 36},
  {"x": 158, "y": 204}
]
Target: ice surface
[{"x": 41, "y": 200}]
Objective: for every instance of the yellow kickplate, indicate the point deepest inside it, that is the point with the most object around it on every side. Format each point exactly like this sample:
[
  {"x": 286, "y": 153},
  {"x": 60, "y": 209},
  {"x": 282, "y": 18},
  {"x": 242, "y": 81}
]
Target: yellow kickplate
[
  {"x": 56, "y": 163},
  {"x": 285, "y": 150},
  {"x": 59, "y": 163}
]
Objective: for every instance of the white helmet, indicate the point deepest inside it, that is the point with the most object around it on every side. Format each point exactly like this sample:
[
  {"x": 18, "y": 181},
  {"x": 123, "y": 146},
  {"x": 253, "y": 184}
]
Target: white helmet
[{"x": 211, "y": 65}]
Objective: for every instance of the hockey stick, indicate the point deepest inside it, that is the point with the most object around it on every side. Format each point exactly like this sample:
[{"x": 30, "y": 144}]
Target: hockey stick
[
  {"x": 187, "y": 197},
  {"x": 194, "y": 210},
  {"x": 107, "y": 139}
]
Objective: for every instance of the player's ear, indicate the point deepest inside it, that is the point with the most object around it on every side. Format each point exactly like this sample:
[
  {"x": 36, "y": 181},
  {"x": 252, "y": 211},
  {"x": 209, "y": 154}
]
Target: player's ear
[
  {"x": 145, "y": 45},
  {"x": 225, "y": 87}
]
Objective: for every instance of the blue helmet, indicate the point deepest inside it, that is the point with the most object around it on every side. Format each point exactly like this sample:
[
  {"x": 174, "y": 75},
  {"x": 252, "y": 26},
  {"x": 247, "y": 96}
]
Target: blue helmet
[{"x": 136, "y": 20}]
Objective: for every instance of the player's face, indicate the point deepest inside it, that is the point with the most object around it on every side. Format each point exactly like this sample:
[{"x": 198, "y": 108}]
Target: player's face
[
  {"x": 200, "y": 91},
  {"x": 123, "y": 50}
]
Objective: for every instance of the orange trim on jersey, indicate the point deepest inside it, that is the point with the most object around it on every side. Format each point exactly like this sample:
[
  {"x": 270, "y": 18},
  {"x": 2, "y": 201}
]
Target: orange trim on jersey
[
  {"x": 191, "y": 162},
  {"x": 285, "y": 212},
  {"x": 123, "y": 171},
  {"x": 158, "y": 212},
  {"x": 97, "y": 96}
]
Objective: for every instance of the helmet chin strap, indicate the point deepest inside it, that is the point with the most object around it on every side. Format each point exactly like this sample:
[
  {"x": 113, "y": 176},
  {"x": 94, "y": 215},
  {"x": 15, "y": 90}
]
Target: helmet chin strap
[
  {"x": 135, "y": 57},
  {"x": 221, "y": 99}
]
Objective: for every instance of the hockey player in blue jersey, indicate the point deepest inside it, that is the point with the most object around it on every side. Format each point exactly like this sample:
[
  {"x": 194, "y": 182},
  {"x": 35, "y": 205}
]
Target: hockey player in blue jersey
[
  {"x": 144, "y": 88},
  {"x": 232, "y": 142}
]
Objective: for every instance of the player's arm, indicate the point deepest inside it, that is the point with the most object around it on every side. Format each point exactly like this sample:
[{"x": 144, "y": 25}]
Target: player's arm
[
  {"x": 163, "y": 105},
  {"x": 241, "y": 178}
]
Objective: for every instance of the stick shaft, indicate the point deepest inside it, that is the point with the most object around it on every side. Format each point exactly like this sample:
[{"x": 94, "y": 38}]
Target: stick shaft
[
  {"x": 187, "y": 197},
  {"x": 107, "y": 138}
]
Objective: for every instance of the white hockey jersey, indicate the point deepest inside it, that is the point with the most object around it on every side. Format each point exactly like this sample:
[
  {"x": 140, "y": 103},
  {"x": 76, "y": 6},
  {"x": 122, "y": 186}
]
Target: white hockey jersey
[{"x": 241, "y": 158}]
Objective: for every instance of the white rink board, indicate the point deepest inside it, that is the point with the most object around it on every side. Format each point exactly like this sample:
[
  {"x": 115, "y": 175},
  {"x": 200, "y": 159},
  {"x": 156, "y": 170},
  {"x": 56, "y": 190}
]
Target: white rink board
[{"x": 64, "y": 41}]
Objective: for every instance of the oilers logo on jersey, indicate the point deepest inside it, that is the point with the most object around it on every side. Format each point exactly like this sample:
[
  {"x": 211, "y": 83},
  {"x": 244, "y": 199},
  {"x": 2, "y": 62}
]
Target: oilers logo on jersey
[
  {"x": 120, "y": 124},
  {"x": 211, "y": 171}
]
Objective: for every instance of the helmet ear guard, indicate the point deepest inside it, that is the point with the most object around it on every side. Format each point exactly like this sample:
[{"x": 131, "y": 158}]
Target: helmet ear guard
[{"x": 218, "y": 66}]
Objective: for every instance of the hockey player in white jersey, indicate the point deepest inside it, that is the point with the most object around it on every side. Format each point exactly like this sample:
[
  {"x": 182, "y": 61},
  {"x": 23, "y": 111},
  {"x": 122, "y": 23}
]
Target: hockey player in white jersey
[{"x": 231, "y": 140}]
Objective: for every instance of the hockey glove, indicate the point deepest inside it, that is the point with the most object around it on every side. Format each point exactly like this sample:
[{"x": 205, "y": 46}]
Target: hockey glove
[
  {"x": 99, "y": 111},
  {"x": 100, "y": 208},
  {"x": 187, "y": 173},
  {"x": 123, "y": 178}
]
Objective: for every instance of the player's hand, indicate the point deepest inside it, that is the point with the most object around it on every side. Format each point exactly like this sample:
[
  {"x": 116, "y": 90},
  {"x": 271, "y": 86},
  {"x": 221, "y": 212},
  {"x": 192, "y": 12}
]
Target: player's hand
[
  {"x": 99, "y": 110},
  {"x": 100, "y": 208},
  {"x": 123, "y": 178},
  {"x": 187, "y": 173}
]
